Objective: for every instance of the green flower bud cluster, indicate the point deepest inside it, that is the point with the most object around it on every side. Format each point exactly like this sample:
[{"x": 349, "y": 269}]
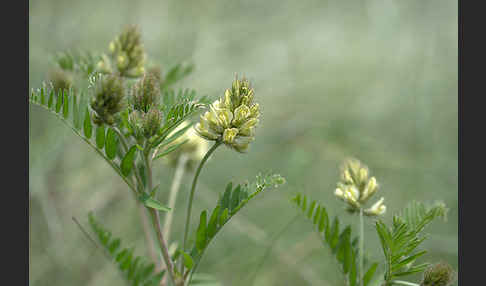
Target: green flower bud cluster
[
  {"x": 439, "y": 274},
  {"x": 108, "y": 99},
  {"x": 145, "y": 93},
  {"x": 355, "y": 188},
  {"x": 127, "y": 55},
  {"x": 145, "y": 117},
  {"x": 194, "y": 149},
  {"x": 145, "y": 124},
  {"x": 233, "y": 118}
]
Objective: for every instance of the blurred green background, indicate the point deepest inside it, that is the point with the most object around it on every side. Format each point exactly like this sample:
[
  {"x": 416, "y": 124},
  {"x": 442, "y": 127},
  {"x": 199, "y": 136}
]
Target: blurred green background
[{"x": 375, "y": 80}]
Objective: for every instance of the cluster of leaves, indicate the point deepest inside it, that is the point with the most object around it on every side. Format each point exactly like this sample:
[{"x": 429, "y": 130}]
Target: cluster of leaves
[
  {"x": 400, "y": 241},
  {"x": 342, "y": 246},
  {"x": 136, "y": 269},
  {"x": 229, "y": 203},
  {"x": 72, "y": 108}
]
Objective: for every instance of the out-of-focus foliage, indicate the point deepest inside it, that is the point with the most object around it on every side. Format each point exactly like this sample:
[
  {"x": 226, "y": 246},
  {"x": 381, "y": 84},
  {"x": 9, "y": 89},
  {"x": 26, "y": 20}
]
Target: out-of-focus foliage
[{"x": 370, "y": 79}]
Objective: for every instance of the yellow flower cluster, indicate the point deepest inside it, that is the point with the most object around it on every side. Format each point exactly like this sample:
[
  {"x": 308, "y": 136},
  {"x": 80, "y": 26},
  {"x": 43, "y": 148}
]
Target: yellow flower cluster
[
  {"x": 355, "y": 188},
  {"x": 233, "y": 118}
]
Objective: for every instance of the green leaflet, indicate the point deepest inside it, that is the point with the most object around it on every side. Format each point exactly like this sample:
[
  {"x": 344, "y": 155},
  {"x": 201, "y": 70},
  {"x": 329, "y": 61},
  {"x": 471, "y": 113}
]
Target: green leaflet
[
  {"x": 369, "y": 274},
  {"x": 65, "y": 109},
  {"x": 188, "y": 262},
  {"x": 51, "y": 99},
  {"x": 100, "y": 136},
  {"x": 76, "y": 119},
  {"x": 213, "y": 222},
  {"x": 111, "y": 144},
  {"x": 201, "y": 234},
  {"x": 59, "y": 101},
  {"x": 127, "y": 161},
  {"x": 42, "y": 97},
  {"x": 87, "y": 127},
  {"x": 150, "y": 202}
]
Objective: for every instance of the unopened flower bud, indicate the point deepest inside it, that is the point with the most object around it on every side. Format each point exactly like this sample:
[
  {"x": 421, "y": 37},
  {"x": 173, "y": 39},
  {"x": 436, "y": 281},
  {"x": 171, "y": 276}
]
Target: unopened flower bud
[
  {"x": 376, "y": 209},
  {"x": 152, "y": 121},
  {"x": 440, "y": 274},
  {"x": 370, "y": 188},
  {"x": 145, "y": 93},
  {"x": 108, "y": 99}
]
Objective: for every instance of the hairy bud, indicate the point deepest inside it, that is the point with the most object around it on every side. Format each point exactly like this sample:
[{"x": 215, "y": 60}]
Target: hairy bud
[
  {"x": 145, "y": 93},
  {"x": 439, "y": 274},
  {"x": 108, "y": 99},
  {"x": 151, "y": 122}
]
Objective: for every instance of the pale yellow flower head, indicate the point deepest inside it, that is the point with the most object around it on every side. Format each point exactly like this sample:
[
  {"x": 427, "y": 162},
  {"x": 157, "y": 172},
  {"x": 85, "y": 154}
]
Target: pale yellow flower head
[
  {"x": 232, "y": 118},
  {"x": 356, "y": 188}
]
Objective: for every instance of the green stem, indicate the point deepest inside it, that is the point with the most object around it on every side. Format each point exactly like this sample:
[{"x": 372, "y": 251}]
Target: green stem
[
  {"x": 361, "y": 246},
  {"x": 191, "y": 198},
  {"x": 399, "y": 282}
]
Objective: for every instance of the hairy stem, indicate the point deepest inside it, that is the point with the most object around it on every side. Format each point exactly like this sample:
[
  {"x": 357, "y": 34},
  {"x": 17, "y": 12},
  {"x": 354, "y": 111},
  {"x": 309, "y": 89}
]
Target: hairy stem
[
  {"x": 191, "y": 198},
  {"x": 361, "y": 246},
  {"x": 174, "y": 190},
  {"x": 158, "y": 229},
  {"x": 148, "y": 236}
]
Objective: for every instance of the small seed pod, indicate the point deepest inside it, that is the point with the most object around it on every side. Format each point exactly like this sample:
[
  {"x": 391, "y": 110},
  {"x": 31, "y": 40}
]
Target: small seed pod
[{"x": 108, "y": 99}]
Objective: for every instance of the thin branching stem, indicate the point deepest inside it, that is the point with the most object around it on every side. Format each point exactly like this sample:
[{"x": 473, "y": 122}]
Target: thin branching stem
[
  {"x": 191, "y": 198},
  {"x": 157, "y": 226}
]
